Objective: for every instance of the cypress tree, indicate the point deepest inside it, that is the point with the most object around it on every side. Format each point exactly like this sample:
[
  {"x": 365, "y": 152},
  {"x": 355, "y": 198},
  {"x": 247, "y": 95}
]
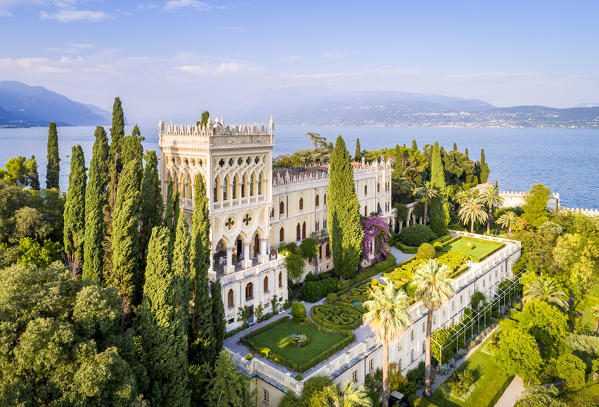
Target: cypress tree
[
  {"x": 53, "y": 168},
  {"x": 358, "y": 154},
  {"x": 172, "y": 208},
  {"x": 205, "y": 118},
  {"x": 343, "y": 210},
  {"x": 466, "y": 153},
  {"x": 437, "y": 212},
  {"x": 132, "y": 147},
  {"x": 160, "y": 326},
  {"x": 201, "y": 335},
  {"x": 182, "y": 269},
  {"x": 33, "y": 178},
  {"x": 151, "y": 204},
  {"x": 455, "y": 147},
  {"x": 125, "y": 238},
  {"x": 484, "y": 168},
  {"x": 117, "y": 131},
  {"x": 218, "y": 316},
  {"x": 414, "y": 145},
  {"x": 95, "y": 199},
  {"x": 74, "y": 212}
]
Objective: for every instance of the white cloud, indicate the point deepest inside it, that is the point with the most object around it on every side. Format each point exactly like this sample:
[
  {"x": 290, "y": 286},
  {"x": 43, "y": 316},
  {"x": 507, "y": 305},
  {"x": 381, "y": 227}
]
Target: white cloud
[
  {"x": 293, "y": 58},
  {"x": 68, "y": 16},
  {"x": 323, "y": 75},
  {"x": 7, "y": 5},
  {"x": 215, "y": 69},
  {"x": 80, "y": 45},
  {"x": 378, "y": 72},
  {"x": 195, "y": 4},
  {"x": 333, "y": 55},
  {"x": 491, "y": 75}
]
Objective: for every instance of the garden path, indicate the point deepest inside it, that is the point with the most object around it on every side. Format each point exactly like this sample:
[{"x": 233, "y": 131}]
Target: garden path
[
  {"x": 440, "y": 379},
  {"x": 399, "y": 255},
  {"x": 512, "y": 393}
]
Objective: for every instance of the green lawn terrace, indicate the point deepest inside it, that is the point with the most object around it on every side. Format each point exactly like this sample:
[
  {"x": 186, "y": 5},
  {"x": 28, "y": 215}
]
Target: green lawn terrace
[{"x": 475, "y": 248}]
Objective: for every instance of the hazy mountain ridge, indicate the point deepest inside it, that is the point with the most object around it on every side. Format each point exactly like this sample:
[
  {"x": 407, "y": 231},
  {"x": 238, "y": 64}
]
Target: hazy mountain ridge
[{"x": 22, "y": 105}]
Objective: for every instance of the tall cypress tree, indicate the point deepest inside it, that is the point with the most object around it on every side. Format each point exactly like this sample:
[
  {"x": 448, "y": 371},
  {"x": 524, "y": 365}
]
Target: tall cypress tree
[
  {"x": 346, "y": 234},
  {"x": 182, "y": 269},
  {"x": 466, "y": 153},
  {"x": 159, "y": 324},
  {"x": 202, "y": 334},
  {"x": 172, "y": 208},
  {"x": 438, "y": 217},
  {"x": 131, "y": 146},
  {"x": 95, "y": 199},
  {"x": 151, "y": 203},
  {"x": 53, "y": 168},
  {"x": 33, "y": 178},
  {"x": 484, "y": 168},
  {"x": 218, "y": 317},
  {"x": 455, "y": 146},
  {"x": 414, "y": 145},
  {"x": 125, "y": 237},
  {"x": 358, "y": 153},
  {"x": 74, "y": 212}
]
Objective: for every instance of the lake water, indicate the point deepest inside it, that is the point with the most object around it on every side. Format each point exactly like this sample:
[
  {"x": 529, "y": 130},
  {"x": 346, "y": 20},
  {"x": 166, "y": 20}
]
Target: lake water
[{"x": 564, "y": 160}]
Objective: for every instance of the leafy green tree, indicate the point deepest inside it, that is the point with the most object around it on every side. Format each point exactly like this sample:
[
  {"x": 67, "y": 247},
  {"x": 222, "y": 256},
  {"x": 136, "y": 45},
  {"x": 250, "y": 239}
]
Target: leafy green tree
[
  {"x": 31, "y": 252},
  {"x": 358, "y": 152},
  {"x": 333, "y": 396},
  {"x": 508, "y": 220},
  {"x": 433, "y": 288},
  {"x": 518, "y": 354},
  {"x": 151, "y": 204},
  {"x": 95, "y": 199},
  {"x": 16, "y": 170},
  {"x": 205, "y": 118},
  {"x": 438, "y": 217},
  {"x": 577, "y": 256},
  {"x": 53, "y": 167},
  {"x": 540, "y": 396},
  {"x": 57, "y": 335},
  {"x": 345, "y": 233},
  {"x": 571, "y": 369},
  {"x": 201, "y": 333},
  {"x": 490, "y": 198},
  {"x": 547, "y": 324},
  {"x": 426, "y": 192},
  {"x": 295, "y": 266},
  {"x": 33, "y": 178},
  {"x": 309, "y": 248},
  {"x": 535, "y": 206},
  {"x": 30, "y": 222},
  {"x": 161, "y": 326},
  {"x": 74, "y": 212},
  {"x": 472, "y": 211},
  {"x": 388, "y": 317},
  {"x": 219, "y": 324},
  {"x": 228, "y": 387},
  {"x": 546, "y": 289},
  {"x": 125, "y": 239}
]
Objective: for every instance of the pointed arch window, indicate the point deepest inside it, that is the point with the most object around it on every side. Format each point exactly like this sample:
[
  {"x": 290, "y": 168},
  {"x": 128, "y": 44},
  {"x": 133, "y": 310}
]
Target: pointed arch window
[
  {"x": 298, "y": 232},
  {"x": 365, "y": 190},
  {"x": 280, "y": 279},
  {"x": 281, "y": 208},
  {"x": 282, "y": 235},
  {"x": 317, "y": 201},
  {"x": 266, "y": 284},
  {"x": 301, "y": 204},
  {"x": 230, "y": 301}
]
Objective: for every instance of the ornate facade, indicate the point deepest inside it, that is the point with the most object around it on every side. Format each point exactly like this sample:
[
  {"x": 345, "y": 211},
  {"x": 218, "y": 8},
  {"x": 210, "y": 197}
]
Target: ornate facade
[{"x": 253, "y": 209}]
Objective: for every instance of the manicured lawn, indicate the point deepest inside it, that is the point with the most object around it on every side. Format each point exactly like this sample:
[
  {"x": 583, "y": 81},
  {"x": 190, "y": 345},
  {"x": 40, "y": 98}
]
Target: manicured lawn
[
  {"x": 490, "y": 381},
  {"x": 275, "y": 337},
  {"x": 587, "y": 308},
  {"x": 480, "y": 248}
]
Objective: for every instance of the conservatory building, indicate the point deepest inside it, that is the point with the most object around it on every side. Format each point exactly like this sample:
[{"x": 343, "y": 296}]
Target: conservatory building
[{"x": 253, "y": 208}]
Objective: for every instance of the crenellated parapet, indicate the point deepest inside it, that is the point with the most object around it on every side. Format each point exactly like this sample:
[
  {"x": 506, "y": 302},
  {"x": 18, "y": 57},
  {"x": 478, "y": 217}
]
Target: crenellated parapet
[
  {"x": 215, "y": 129},
  {"x": 581, "y": 211}
]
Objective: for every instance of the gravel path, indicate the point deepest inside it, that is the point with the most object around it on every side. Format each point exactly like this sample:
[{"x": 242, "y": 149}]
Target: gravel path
[{"x": 512, "y": 393}]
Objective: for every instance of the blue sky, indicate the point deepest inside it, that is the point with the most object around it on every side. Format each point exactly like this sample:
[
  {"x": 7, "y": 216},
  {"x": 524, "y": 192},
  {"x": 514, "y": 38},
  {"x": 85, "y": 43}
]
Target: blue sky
[{"x": 170, "y": 59}]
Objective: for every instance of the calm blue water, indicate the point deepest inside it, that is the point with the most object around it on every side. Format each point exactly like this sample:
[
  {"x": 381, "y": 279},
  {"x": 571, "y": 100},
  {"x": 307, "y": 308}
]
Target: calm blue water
[{"x": 564, "y": 160}]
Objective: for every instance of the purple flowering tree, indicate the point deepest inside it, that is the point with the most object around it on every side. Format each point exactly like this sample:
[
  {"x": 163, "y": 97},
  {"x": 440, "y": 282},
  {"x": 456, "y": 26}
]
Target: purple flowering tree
[{"x": 376, "y": 238}]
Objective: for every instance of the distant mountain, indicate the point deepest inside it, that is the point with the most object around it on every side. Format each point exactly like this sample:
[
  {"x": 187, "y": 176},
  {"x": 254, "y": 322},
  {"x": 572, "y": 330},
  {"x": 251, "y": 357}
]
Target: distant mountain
[
  {"x": 389, "y": 108},
  {"x": 22, "y": 105}
]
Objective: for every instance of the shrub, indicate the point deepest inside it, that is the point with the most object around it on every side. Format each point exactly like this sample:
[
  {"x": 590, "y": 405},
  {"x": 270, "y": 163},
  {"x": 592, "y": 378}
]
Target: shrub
[
  {"x": 249, "y": 356},
  {"x": 331, "y": 298},
  {"x": 295, "y": 265},
  {"x": 337, "y": 316},
  {"x": 571, "y": 369},
  {"x": 313, "y": 291},
  {"x": 426, "y": 251},
  {"x": 438, "y": 246},
  {"x": 309, "y": 248},
  {"x": 461, "y": 382},
  {"x": 298, "y": 311},
  {"x": 442, "y": 337},
  {"x": 415, "y": 235},
  {"x": 299, "y": 377},
  {"x": 288, "y": 248},
  {"x": 416, "y": 375},
  {"x": 477, "y": 300}
]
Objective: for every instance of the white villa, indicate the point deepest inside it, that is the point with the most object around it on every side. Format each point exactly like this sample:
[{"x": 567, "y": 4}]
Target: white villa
[{"x": 254, "y": 208}]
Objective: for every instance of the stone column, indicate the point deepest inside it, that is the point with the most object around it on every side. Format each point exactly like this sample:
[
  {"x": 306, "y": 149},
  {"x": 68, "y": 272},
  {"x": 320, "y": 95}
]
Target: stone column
[
  {"x": 229, "y": 267},
  {"x": 263, "y": 257},
  {"x": 247, "y": 261}
]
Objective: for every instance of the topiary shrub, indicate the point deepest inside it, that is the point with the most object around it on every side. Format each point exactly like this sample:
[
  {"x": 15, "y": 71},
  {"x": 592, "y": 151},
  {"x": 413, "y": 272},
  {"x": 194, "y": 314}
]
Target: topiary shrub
[
  {"x": 426, "y": 251},
  {"x": 415, "y": 235},
  {"x": 438, "y": 246},
  {"x": 332, "y": 297},
  {"x": 298, "y": 311},
  {"x": 572, "y": 370}
]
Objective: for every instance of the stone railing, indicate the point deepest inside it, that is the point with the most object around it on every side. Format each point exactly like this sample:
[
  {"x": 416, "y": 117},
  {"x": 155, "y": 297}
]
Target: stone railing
[
  {"x": 582, "y": 211},
  {"x": 250, "y": 272},
  {"x": 214, "y": 129},
  {"x": 492, "y": 238}
]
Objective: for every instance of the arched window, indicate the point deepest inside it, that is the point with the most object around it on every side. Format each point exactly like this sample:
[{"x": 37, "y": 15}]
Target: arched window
[
  {"x": 249, "y": 291},
  {"x": 365, "y": 210},
  {"x": 328, "y": 250},
  {"x": 266, "y": 284},
  {"x": 317, "y": 201},
  {"x": 260, "y": 182},
  {"x": 235, "y": 187},
  {"x": 281, "y": 208},
  {"x": 378, "y": 187},
  {"x": 217, "y": 187},
  {"x": 280, "y": 279},
  {"x": 365, "y": 190},
  {"x": 298, "y": 232},
  {"x": 320, "y": 252},
  {"x": 325, "y": 199},
  {"x": 304, "y": 230},
  {"x": 230, "y": 301},
  {"x": 244, "y": 185},
  {"x": 301, "y": 203},
  {"x": 282, "y": 235},
  {"x": 252, "y": 185},
  {"x": 226, "y": 188}
]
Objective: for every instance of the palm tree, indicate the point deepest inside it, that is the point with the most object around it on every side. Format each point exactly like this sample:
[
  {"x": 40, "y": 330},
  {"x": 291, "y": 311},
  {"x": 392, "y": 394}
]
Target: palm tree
[
  {"x": 427, "y": 192},
  {"x": 462, "y": 196},
  {"x": 490, "y": 198},
  {"x": 472, "y": 211},
  {"x": 348, "y": 397},
  {"x": 595, "y": 316},
  {"x": 387, "y": 314},
  {"x": 433, "y": 288},
  {"x": 546, "y": 289},
  {"x": 508, "y": 220}
]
